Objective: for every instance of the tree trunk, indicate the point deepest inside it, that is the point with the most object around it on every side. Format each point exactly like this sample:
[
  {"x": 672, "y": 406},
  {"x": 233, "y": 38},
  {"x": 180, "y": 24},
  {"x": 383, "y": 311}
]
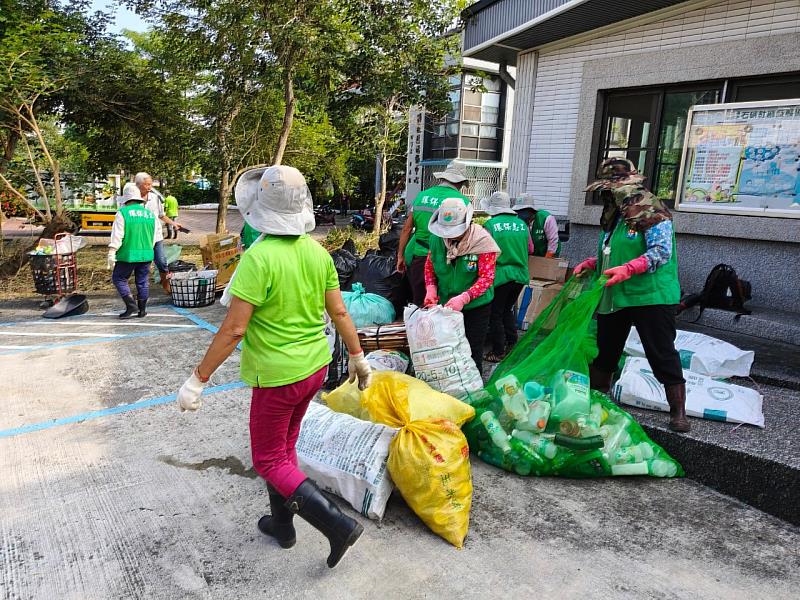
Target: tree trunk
[
  {"x": 288, "y": 117},
  {"x": 8, "y": 149},
  {"x": 224, "y": 193},
  {"x": 381, "y": 197}
]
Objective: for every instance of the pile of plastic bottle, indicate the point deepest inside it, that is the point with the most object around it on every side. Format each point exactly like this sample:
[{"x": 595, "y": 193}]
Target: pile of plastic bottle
[{"x": 563, "y": 429}]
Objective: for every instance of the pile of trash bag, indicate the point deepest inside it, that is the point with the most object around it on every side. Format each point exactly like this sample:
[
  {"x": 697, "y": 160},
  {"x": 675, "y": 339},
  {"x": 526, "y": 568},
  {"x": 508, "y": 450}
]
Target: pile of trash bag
[
  {"x": 345, "y": 259},
  {"x": 378, "y": 274},
  {"x": 367, "y": 309},
  {"x": 429, "y": 457},
  {"x": 539, "y": 416}
]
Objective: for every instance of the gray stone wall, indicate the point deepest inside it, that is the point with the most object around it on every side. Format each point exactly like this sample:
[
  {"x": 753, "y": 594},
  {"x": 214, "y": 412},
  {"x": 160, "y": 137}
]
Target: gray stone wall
[{"x": 772, "y": 267}]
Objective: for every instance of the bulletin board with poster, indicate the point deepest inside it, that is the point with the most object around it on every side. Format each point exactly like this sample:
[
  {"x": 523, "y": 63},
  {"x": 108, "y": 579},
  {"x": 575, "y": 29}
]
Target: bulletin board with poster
[{"x": 742, "y": 158}]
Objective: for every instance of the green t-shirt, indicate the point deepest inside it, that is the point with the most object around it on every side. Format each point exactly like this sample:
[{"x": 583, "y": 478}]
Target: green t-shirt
[
  {"x": 171, "y": 206},
  {"x": 285, "y": 278},
  {"x": 249, "y": 236},
  {"x": 511, "y": 234}
]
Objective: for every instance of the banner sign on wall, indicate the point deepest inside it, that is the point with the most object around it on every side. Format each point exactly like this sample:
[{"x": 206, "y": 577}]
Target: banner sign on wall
[{"x": 742, "y": 158}]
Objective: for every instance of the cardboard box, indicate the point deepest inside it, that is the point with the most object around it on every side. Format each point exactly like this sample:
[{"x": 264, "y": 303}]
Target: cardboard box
[
  {"x": 533, "y": 299},
  {"x": 548, "y": 269},
  {"x": 221, "y": 252}
]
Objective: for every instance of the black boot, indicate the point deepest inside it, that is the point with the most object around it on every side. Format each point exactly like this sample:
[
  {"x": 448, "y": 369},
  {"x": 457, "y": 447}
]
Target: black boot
[
  {"x": 342, "y": 531},
  {"x": 676, "y": 397},
  {"x": 279, "y": 523},
  {"x": 130, "y": 308},
  {"x": 142, "y": 307},
  {"x": 599, "y": 380}
]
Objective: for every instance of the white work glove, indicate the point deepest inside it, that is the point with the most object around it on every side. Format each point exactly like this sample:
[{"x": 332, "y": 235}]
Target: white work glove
[
  {"x": 112, "y": 259},
  {"x": 359, "y": 367},
  {"x": 189, "y": 394}
]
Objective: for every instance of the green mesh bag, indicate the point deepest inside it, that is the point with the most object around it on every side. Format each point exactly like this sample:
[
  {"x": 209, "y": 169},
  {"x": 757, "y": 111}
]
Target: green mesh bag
[{"x": 538, "y": 415}]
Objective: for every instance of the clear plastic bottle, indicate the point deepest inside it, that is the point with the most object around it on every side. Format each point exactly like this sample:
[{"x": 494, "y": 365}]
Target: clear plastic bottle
[
  {"x": 639, "y": 468},
  {"x": 514, "y": 401},
  {"x": 633, "y": 454},
  {"x": 537, "y": 417},
  {"x": 495, "y": 431},
  {"x": 662, "y": 468},
  {"x": 570, "y": 394},
  {"x": 538, "y": 442}
]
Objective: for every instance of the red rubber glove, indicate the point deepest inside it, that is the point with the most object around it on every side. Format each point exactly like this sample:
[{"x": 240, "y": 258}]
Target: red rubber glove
[
  {"x": 623, "y": 272},
  {"x": 550, "y": 255},
  {"x": 431, "y": 296},
  {"x": 590, "y": 264},
  {"x": 459, "y": 302}
]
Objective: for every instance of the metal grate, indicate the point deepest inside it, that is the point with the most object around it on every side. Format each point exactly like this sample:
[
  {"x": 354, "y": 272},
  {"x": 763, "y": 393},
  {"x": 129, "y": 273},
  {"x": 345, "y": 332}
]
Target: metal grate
[{"x": 483, "y": 181}]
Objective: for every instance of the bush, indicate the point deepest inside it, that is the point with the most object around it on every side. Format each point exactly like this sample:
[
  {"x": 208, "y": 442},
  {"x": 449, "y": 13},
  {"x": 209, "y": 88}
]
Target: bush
[
  {"x": 11, "y": 206},
  {"x": 189, "y": 194},
  {"x": 339, "y": 235}
]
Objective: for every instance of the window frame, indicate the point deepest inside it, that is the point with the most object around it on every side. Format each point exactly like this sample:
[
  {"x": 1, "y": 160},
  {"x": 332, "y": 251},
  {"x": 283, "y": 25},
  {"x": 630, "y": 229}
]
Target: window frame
[{"x": 599, "y": 141}]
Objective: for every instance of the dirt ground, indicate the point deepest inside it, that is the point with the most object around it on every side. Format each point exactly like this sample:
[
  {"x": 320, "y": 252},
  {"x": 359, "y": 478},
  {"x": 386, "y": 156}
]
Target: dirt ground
[{"x": 92, "y": 273}]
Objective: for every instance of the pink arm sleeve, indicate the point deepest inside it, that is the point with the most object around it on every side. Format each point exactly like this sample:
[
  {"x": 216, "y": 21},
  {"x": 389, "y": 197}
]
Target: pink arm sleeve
[
  {"x": 551, "y": 233},
  {"x": 430, "y": 274},
  {"x": 531, "y": 249}
]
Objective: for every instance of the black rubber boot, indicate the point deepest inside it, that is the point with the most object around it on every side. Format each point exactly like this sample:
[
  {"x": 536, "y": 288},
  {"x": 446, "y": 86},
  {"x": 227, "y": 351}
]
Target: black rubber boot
[
  {"x": 312, "y": 505},
  {"x": 279, "y": 523},
  {"x": 142, "y": 304},
  {"x": 599, "y": 380},
  {"x": 130, "y": 308},
  {"x": 676, "y": 397}
]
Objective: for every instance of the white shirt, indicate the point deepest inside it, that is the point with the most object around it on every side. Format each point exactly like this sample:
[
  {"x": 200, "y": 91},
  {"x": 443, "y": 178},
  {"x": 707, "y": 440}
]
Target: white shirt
[{"x": 155, "y": 206}]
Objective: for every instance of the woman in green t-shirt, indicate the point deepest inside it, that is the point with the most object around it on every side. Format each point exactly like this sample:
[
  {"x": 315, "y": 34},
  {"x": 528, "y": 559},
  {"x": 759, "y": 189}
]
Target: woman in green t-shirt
[
  {"x": 636, "y": 251},
  {"x": 279, "y": 294}
]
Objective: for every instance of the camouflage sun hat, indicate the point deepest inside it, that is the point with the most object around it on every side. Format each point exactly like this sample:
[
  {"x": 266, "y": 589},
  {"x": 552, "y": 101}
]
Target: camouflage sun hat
[{"x": 615, "y": 172}]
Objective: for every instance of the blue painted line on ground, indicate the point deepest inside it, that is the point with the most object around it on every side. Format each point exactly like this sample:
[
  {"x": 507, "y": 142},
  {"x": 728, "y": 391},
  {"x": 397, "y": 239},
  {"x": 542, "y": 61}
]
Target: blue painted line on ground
[
  {"x": 200, "y": 322},
  {"x": 42, "y": 320},
  {"x": 115, "y": 410},
  {"x": 195, "y": 319},
  {"x": 97, "y": 340}
]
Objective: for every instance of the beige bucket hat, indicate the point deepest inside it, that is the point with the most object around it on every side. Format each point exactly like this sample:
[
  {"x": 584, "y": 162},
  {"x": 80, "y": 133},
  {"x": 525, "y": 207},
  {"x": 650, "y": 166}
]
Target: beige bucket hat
[{"x": 275, "y": 200}]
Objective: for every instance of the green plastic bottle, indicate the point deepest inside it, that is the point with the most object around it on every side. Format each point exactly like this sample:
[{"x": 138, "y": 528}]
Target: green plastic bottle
[
  {"x": 495, "y": 431},
  {"x": 570, "y": 394},
  {"x": 527, "y": 453}
]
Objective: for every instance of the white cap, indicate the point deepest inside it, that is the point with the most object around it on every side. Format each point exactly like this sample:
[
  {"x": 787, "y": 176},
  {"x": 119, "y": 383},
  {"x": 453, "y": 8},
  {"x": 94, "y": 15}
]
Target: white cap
[
  {"x": 451, "y": 219},
  {"x": 275, "y": 200},
  {"x": 130, "y": 192}
]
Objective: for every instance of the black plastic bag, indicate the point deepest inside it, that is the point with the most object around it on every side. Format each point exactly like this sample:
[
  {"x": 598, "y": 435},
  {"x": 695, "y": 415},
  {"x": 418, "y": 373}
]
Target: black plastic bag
[
  {"x": 378, "y": 275},
  {"x": 389, "y": 242},
  {"x": 345, "y": 263}
]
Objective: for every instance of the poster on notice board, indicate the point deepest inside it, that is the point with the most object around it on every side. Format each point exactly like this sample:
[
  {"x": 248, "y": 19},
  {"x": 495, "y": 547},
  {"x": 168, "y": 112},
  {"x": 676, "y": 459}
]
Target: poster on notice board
[{"x": 742, "y": 158}]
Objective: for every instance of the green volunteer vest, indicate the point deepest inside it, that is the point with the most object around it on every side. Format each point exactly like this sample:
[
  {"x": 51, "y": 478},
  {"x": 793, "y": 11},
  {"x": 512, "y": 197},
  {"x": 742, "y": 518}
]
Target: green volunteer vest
[
  {"x": 140, "y": 225},
  {"x": 538, "y": 236},
  {"x": 424, "y": 205},
  {"x": 511, "y": 234},
  {"x": 646, "y": 289},
  {"x": 458, "y": 276}
]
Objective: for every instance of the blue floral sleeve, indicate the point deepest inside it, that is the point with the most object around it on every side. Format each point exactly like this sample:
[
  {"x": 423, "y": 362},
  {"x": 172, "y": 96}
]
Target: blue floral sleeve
[{"x": 658, "y": 240}]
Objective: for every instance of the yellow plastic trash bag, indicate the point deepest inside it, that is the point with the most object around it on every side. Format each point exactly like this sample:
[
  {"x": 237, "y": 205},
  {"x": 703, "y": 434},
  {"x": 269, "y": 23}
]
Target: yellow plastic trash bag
[
  {"x": 347, "y": 399},
  {"x": 429, "y": 456}
]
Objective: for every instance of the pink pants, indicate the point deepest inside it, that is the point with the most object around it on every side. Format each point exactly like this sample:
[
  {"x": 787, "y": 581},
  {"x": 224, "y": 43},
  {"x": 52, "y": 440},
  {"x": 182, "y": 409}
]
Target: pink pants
[{"x": 275, "y": 416}]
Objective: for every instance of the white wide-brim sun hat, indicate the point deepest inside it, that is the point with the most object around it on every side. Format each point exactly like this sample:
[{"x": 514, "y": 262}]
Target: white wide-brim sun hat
[
  {"x": 451, "y": 219},
  {"x": 275, "y": 200},
  {"x": 455, "y": 173},
  {"x": 498, "y": 203},
  {"x": 131, "y": 193},
  {"x": 524, "y": 202}
]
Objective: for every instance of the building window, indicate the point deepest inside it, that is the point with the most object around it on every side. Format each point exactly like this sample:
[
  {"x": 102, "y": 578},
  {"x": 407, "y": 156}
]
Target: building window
[
  {"x": 473, "y": 128},
  {"x": 648, "y": 127}
]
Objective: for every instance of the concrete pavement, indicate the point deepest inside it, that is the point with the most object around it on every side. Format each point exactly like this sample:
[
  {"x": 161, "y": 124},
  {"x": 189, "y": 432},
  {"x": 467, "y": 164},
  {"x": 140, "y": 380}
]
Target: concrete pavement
[{"x": 107, "y": 491}]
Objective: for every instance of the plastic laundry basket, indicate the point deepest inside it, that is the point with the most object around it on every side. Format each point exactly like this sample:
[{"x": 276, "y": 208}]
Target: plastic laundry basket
[{"x": 194, "y": 288}]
